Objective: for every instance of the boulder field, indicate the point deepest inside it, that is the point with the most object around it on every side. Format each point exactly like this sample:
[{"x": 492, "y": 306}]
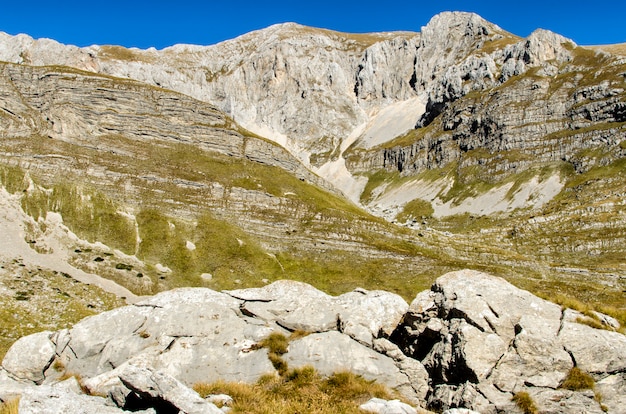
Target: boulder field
[{"x": 473, "y": 341}]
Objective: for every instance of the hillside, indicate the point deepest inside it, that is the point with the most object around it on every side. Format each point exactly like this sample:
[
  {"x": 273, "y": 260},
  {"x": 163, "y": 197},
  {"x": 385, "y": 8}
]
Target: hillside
[{"x": 378, "y": 161}]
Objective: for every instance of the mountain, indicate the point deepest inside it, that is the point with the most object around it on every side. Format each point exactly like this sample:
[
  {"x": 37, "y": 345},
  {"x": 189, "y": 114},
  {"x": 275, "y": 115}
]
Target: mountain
[{"x": 376, "y": 160}]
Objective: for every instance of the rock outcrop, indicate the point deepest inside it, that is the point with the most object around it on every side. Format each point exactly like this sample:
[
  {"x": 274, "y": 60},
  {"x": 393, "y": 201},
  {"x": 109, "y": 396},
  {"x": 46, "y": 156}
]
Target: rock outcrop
[
  {"x": 483, "y": 340},
  {"x": 471, "y": 342}
]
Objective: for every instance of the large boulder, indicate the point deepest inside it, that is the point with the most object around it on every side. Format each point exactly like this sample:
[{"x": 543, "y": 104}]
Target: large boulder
[
  {"x": 380, "y": 406},
  {"x": 331, "y": 352},
  {"x": 596, "y": 351},
  {"x": 361, "y": 314},
  {"x": 481, "y": 340},
  {"x": 470, "y": 342},
  {"x": 161, "y": 389},
  {"x": 63, "y": 398},
  {"x": 30, "y": 356}
]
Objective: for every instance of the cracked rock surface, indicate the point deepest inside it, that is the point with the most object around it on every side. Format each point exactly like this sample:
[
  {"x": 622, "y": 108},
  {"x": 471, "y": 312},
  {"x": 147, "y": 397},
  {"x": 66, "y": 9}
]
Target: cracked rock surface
[{"x": 472, "y": 341}]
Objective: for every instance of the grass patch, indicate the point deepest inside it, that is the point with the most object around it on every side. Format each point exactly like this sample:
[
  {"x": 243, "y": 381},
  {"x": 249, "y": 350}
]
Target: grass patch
[
  {"x": 123, "y": 54},
  {"x": 415, "y": 209},
  {"x": 301, "y": 390},
  {"x": 13, "y": 179},
  {"x": 577, "y": 380},
  {"x": 54, "y": 302},
  {"x": 87, "y": 212},
  {"x": 10, "y": 406},
  {"x": 276, "y": 343},
  {"x": 525, "y": 403}
]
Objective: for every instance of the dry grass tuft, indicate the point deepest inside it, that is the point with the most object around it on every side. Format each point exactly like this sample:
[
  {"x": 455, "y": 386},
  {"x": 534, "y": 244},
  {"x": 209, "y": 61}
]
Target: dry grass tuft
[
  {"x": 577, "y": 380},
  {"x": 525, "y": 403},
  {"x": 10, "y": 406},
  {"x": 300, "y": 390}
]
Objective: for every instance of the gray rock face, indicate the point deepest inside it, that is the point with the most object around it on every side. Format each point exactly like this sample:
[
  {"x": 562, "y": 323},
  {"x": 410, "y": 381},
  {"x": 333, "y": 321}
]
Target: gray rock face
[
  {"x": 309, "y": 89},
  {"x": 175, "y": 339},
  {"x": 165, "y": 389},
  {"x": 29, "y": 358},
  {"x": 481, "y": 340},
  {"x": 63, "y": 398},
  {"x": 361, "y": 314},
  {"x": 380, "y": 406},
  {"x": 330, "y": 352},
  {"x": 470, "y": 342}
]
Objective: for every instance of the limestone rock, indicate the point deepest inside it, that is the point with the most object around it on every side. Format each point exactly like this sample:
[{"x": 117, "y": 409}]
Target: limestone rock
[
  {"x": 10, "y": 388},
  {"x": 62, "y": 399},
  {"x": 380, "y": 406},
  {"x": 481, "y": 339},
  {"x": 363, "y": 315},
  {"x": 594, "y": 350},
  {"x": 459, "y": 411},
  {"x": 564, "y": 401},
  {"x": 471, "y": 342},
  {"x": 289, "y": 303},
  {"x": 613, "y": 392},
  {"x": 220, "y": 399},
  {"x": 30, "y": 356},
  {"x": 331, "y": 352},
  {"x": 158, "y": 387},
  {"x": 366, "y": 315}
]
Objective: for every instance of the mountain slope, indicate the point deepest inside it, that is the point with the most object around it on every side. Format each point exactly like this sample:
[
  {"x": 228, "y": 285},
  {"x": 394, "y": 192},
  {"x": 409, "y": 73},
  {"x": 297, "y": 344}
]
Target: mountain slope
[
  {"x": 172, "y": 182},
  {"x": 480, "y": 149}
]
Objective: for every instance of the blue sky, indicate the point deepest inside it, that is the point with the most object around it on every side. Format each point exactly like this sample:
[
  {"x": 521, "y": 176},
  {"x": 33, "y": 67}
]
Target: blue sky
[{"x": 163, "y": 23}]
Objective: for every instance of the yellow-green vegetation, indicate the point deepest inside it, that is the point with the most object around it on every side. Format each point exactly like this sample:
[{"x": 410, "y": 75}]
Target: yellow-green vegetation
[
  {"x": 40, "y": 300},
  {"x": 577, "y": 380},
  {"x": 415, "y": 209},
  {"x": 499, "y": 43},
  {"x": 377, "y": 179},
  {"x": 525, "y": 403},
  {"x": 220, "y": 249},
  {"x": 10, "y": 406},
  {"x": 587, "y": 309},
  {"x": 295, "y": 390},
  {"x": 89, "y": 213},
  {"x": 122, "y": 53},
  {"x": 224, "y": 249},
  {"x": 277, "y": 345},
  {"x": 300, "y": 390},
  {"x": 617, "y": 49}
]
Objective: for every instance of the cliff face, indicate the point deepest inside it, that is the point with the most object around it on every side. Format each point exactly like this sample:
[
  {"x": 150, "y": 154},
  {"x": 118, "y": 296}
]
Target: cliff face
[
  {"x": 317, "y": 92},
  {"x": 293, "y": 84},
  {"x": 175, "y": 182}
]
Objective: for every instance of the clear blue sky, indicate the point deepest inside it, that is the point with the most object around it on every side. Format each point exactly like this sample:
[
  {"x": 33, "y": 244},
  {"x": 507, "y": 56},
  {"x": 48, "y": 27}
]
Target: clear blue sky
[{"x": 163, "y": 23}]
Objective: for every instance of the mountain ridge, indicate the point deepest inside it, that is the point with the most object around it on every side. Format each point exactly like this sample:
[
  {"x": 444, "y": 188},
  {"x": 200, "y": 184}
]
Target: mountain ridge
[{"x": 344, "y": 161}]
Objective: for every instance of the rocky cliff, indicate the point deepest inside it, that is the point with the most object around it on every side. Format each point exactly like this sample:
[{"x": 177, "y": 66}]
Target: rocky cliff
[{"x": 471, "y": 341}]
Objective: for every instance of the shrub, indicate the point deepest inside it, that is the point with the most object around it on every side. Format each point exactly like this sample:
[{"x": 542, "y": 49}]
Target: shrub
[{"x": 523, "y": 400}]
